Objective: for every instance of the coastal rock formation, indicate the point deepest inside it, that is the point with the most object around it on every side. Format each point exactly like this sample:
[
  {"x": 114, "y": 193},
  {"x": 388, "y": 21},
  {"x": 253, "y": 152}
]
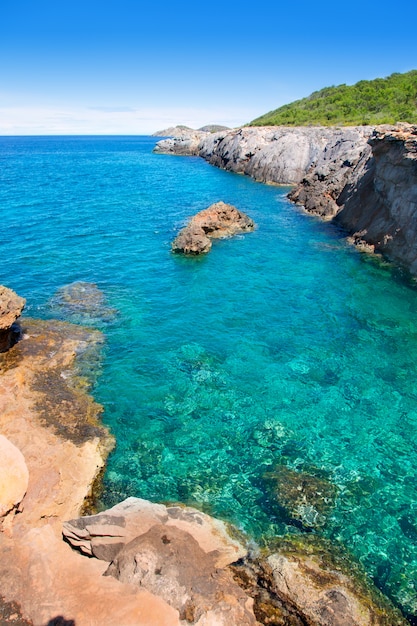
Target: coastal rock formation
[
  {"x": 179, "y": 554},
  {"x": 184, "y": 144},
  {"x": 103, "y": 535},
  {"x": 11, "y": 307},
  {"x": 169, "y": 562},
  {"x": 219, "y": 221},
  {"x": 174, "y": 131},
  {"x": 280, "y": 155},
  {"x": 303, "y": 582},
  {"x": 363, "y": 178},
  {"x": 374, "y": 197}
]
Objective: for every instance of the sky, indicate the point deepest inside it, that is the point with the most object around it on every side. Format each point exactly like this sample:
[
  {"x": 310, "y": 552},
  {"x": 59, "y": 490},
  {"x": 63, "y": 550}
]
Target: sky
[{"x": 130, "y": 67}]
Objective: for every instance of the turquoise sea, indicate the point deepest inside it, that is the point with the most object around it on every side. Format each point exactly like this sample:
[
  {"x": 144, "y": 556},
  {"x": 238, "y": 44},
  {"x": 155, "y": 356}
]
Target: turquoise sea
[{"x": 284, "y": 347}]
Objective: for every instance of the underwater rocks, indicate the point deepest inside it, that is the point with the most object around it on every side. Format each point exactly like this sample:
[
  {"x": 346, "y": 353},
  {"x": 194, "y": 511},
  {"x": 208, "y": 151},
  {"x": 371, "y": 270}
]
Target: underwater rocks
[
  {"x": 306, "y": 499},
  {"x": 219, "y": 221},
  {"x": 193, "y": 563},
  {"x": 11, "y": 307},
  {"x": 83, "y": 303}
]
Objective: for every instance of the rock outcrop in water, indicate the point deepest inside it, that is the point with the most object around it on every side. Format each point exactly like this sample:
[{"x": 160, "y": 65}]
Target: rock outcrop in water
[
  {"x": 11, "y": 307},
  {"x": 363, "y": 178},
  {"x": 219, "y": 221}
]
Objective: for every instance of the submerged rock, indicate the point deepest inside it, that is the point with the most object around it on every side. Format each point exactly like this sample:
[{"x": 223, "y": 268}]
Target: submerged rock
[
  {"x": 307, "y": 499},
  {"x": 219, "y": 221},
  {"x": 83, "y": 303},
  {"x": 11, "y": 307}
]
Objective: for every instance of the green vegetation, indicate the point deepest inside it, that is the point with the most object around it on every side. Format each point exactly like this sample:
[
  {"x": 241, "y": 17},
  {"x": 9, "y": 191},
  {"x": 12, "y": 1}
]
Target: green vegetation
[{"x": 380, "y": 101}]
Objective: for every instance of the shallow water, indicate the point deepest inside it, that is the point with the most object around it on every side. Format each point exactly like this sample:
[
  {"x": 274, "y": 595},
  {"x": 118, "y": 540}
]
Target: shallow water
[{"x": 281, "y": 347}]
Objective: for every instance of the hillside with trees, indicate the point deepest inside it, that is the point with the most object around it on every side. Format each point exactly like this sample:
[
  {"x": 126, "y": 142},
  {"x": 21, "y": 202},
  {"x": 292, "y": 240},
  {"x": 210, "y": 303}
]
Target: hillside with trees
[{"x": 380, "y": 101}]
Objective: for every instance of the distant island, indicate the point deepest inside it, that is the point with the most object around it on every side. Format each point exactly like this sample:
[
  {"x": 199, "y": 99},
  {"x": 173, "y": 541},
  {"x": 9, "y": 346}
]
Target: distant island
[
  {"x": 180, "y": 129},
  {"x": 368, "y": 102}
]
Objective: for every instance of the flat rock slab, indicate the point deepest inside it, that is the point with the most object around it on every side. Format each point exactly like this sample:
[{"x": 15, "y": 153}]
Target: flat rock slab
[{"x": 104, "y": 534}]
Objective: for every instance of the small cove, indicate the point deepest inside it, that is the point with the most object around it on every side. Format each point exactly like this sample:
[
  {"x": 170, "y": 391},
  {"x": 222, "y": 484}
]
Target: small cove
[{"x": 282, "y": 347}]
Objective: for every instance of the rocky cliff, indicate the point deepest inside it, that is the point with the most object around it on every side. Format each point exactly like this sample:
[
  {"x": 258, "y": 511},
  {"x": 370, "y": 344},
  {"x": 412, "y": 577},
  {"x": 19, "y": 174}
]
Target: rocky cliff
[
  {"x": 363, "y": 178},
  {"x": 271, "y": 154}
]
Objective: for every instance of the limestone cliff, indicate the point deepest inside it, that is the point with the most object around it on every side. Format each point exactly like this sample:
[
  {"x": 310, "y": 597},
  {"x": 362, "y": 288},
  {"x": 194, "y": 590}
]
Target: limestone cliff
[
  {"x": 363, "y": 178},
  {"x": 274, "y": 154}
]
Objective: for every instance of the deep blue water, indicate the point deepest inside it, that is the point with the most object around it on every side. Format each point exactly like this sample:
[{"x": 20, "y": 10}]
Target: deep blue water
[{"x": 282, "y": 346}]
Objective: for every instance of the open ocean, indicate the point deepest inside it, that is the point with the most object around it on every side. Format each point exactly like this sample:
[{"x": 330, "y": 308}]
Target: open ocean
[{"x": 283, "y": 348}]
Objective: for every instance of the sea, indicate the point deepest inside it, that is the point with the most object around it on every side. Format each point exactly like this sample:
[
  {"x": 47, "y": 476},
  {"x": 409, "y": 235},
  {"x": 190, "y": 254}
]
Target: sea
[{"x": 282, "y": 353}]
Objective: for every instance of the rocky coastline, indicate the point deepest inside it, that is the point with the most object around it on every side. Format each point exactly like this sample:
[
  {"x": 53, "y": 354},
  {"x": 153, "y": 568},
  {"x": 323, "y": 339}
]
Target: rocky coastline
[
  {"x": 139, "y": 563},
  {"x": 362, "y": 178}
]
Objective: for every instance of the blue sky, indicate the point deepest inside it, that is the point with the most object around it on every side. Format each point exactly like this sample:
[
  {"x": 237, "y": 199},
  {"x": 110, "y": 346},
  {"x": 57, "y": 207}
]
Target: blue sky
[{"x": 129, "y": 67}]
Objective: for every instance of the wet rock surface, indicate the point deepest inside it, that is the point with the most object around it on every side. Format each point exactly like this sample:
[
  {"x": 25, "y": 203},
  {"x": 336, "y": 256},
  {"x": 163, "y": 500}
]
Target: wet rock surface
[
  {"x": 302, "y": 581},
  {"x": 219, "y": 221}
]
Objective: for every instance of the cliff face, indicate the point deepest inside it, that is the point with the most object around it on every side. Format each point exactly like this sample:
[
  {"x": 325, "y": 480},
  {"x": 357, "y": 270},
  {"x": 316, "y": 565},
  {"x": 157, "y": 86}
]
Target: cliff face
[
  {"x": 380, "y": 206},
  {"x": 272, "y": 154},
  {"x": 363, "y": 178}
]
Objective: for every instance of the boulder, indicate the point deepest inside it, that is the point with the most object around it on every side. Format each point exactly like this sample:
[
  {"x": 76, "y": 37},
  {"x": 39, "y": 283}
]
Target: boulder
[
  {"x": 11, "y": 307},
  {"x": 14, "y": 477},
  {"x": 103, "y": 535},
  {"x": 169, "y": 563},
  {"x": 219, "y": 221}
]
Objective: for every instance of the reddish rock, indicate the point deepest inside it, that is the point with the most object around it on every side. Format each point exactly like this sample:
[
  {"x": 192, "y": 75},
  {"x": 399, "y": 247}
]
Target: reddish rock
[
  {"x": 169, "y": 563},
  {"x": 104, "y": 534},
  {"x": 11, "y": 307},
  {"x": 219, "y": 221}
]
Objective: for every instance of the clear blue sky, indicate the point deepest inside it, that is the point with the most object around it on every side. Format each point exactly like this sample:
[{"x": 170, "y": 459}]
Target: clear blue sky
[{"x": 130, "y": 67}]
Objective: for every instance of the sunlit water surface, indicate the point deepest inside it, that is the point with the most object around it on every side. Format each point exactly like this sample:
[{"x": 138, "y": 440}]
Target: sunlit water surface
[{"x": 281, "y": 347}]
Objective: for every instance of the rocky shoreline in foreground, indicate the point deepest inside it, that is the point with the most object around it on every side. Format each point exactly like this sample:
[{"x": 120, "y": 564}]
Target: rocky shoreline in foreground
[
  {"x": 362, "y": 178},
  {"x": 139, "y": 563}
]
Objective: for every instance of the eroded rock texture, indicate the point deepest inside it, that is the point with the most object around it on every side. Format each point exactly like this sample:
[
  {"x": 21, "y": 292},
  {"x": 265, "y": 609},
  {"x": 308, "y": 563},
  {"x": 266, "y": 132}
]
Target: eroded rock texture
[
  {"x": 219, "y": 221},
  {"x": 170, "y": 563},
  {"x": 11, "y": 307}
]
